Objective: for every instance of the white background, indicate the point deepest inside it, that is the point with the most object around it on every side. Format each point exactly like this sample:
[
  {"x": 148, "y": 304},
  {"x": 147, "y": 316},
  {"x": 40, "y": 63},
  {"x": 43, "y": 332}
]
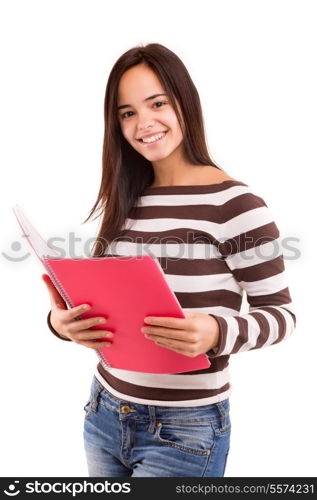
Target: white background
[{"x": 253, "y": 63}]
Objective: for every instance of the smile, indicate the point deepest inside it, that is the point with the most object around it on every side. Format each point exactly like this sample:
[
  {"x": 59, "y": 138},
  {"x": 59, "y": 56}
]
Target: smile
[{"x": 153, "y": 140}]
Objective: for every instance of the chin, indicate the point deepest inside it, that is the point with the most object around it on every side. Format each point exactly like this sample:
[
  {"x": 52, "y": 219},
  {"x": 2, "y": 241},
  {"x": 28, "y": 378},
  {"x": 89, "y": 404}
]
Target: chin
[{"x": 157, "y": 158}]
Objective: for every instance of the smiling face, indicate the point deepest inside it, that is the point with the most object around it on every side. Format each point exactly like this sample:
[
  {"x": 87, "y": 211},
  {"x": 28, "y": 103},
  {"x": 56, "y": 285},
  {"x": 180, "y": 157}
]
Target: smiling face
[{"x": 144, "y": 112}]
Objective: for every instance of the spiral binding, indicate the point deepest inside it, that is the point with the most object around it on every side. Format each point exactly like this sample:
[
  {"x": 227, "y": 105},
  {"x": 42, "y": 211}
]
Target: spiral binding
[
  {"x": 57, "y": 284},
  {"x": 66, "y": 298},
  {"x": 101, "y": 357}
]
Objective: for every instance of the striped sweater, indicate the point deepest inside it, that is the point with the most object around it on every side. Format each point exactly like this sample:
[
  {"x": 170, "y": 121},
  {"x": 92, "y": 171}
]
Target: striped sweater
[{"x": 217, "y": 244}]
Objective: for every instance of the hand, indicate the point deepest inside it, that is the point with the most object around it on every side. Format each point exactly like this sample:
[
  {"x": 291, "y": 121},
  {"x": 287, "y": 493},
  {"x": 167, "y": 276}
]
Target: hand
[
  {"x": 195, "y": 334},
  {"x": 65, "y": 321}
]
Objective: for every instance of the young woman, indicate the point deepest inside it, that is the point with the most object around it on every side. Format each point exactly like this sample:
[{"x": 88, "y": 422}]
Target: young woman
[{"x": 160, "y": 192}]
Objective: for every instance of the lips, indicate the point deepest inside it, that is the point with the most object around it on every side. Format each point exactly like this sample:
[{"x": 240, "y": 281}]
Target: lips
[
  {"x": 152, "y": 135},
  {"x": 152, "y": 143}
]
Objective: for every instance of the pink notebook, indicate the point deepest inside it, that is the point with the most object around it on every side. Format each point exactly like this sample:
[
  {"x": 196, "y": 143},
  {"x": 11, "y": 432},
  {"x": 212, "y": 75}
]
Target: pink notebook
[{"x": 125, "y": 290}]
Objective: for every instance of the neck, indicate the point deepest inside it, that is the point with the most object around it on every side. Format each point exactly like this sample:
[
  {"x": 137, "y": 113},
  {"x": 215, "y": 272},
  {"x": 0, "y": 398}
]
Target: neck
[{"x": 187, "y": 175}]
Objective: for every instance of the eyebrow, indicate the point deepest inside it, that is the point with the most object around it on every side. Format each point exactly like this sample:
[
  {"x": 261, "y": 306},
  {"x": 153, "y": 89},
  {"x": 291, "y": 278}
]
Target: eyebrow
[{"x": 147, "y": 99}]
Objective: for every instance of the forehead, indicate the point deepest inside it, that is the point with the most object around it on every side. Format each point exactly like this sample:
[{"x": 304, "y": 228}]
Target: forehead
[{"x": 137, "y": 83}]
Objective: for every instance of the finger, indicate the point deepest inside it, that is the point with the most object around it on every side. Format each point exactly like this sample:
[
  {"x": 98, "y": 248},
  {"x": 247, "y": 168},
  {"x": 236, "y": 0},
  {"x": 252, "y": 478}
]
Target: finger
[
  {"x": 170, "y": 342},
  {"x": 78, "y": 325},
  {"x": 76, "y": 311},
  {"x": 56, "y": 299},
  {"x": 90, "y": 335},
  {"x": 84, "y": 324},
  {"x": 189, "y": 314},
  {"x": 175, "y": 348},
  {"x": 168, "y": 322},
  {"x": 95, "y": 345},
  {"x": 169, "y": 333},
  {"x": 94, "y": 339}
]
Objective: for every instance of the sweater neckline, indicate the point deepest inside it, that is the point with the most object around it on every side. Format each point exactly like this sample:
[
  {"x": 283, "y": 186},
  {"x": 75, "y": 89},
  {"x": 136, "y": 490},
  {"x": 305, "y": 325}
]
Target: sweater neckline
[{"x": 192, "y": 189}]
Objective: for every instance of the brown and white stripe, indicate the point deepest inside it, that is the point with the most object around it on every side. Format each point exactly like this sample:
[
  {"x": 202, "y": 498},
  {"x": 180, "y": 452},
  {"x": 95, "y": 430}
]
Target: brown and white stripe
[{"x": 216, "y": 244}]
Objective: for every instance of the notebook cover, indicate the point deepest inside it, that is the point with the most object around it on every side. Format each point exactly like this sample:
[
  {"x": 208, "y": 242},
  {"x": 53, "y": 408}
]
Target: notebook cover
[{"x": 125, "y": 290}]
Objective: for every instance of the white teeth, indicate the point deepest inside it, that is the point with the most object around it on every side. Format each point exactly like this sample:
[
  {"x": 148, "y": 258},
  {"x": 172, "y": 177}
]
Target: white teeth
[{"x": 154, "y": 137}]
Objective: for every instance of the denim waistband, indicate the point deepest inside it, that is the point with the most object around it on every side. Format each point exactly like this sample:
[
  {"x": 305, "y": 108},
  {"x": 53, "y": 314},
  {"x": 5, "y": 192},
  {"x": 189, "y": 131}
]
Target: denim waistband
[{"x": 206, "y": 413}]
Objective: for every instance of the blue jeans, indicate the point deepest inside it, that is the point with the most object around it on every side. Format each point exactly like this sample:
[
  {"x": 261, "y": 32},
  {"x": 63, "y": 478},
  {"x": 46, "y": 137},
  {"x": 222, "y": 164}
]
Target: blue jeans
[{"x": 124, "y": 439}]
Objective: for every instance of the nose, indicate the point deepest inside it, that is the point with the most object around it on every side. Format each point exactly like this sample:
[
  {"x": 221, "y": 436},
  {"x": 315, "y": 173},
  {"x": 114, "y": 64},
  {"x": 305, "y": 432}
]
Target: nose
[{"x": 145, "y": 120}]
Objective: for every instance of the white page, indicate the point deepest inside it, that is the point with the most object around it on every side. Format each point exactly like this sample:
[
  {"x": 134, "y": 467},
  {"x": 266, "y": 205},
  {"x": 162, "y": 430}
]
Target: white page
[{"x": 39, "y": 245}]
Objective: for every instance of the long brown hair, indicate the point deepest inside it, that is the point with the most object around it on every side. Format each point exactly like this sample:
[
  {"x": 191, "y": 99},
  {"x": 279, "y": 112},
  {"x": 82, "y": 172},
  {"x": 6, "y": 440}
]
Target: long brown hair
[{"x": 125, "y": 172}]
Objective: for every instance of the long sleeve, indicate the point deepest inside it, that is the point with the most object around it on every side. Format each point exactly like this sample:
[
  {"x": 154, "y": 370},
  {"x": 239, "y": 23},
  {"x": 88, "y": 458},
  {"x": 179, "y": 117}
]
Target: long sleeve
[
  {"x": 251, "y": 248},
  {"x": 49, "y": 324}
]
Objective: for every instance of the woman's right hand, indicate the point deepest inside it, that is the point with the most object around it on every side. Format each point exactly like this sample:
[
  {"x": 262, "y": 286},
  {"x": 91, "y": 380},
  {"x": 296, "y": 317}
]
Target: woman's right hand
[{"x": 65, "y": 323}]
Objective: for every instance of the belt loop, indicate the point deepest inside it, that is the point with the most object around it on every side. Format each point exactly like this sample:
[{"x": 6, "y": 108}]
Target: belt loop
[
  {"x": 222, "y": 413},
  {"x": 94, "y": 402},
  {"x": 152, "y": 419}
]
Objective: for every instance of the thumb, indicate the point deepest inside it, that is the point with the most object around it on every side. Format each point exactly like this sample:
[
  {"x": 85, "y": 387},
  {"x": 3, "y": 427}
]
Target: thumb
[{"x": 56, "y": 299}]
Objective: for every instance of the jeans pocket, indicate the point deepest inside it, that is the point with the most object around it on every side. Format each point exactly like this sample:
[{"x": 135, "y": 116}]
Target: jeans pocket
[
  {"x": 88, "y": 408},
  {"x": 222, "y": 423},
  {"x": 195, "y": 438},
  {"x": 91, "y": 405}
]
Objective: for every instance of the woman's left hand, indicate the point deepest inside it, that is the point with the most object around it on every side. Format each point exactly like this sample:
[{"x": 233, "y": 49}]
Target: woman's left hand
[{"x": 195, "y": 334}]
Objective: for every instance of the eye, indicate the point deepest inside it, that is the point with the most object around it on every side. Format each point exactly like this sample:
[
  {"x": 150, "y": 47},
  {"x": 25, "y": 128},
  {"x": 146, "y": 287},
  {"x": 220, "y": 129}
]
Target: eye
[
  {"x": 123, "y": 115},
  {"x": 160, "y": 102},
  {"x": 157, "y": 102}
]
